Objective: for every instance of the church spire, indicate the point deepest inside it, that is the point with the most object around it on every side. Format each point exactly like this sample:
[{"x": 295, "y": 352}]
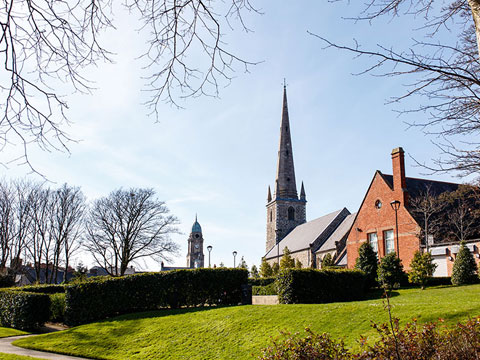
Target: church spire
[
  {"x": 285, "y": 186},
  {"x": 302, "y": 193},
  {"x": 269, "y": 196}
]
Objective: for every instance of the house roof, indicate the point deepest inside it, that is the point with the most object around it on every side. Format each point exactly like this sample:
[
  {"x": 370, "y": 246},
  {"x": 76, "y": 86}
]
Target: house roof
[
  {"x": 416, "y": 187},
  {"x": 303, "y": 235},
  {"x": 340, "y": 232}
]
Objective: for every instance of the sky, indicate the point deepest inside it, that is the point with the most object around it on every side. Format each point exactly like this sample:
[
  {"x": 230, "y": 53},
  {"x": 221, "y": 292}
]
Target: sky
[{"x": 217, "y": 156}]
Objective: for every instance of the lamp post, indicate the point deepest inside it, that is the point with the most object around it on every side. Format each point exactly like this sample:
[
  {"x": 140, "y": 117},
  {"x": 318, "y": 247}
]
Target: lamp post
[
  {"x": 234, "y": 256},
  {"x": 395, "y": 206},
  {"x": 209, "y": 248}
]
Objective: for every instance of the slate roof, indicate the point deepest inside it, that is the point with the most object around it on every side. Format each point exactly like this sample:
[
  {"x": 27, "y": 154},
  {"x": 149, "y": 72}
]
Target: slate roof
[
  {"x": 305, "y": 234},
  {"x": 416, "y": 187},
  {"x": 340, "y": 232}
]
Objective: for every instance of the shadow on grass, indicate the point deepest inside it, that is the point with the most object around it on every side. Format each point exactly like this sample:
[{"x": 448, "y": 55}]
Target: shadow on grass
[{"x": 376, "y": 294}]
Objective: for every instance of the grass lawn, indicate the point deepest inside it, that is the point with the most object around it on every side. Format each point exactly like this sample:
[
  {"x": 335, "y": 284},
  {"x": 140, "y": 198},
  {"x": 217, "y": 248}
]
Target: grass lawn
[
  {"x": 5, "y": 332},
  {"x": 16, "y": 357},
  {"x": 238, "y": 332}
]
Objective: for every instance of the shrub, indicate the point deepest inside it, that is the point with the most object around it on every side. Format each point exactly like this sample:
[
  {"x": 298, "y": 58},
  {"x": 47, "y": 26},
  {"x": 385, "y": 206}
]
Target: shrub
[
  {"x": 440, "y": 280},
  {"x": 265, "y": 269},
  {"x": 270, "y": 289},
  {"x": 23, "y": 310},
  {"x": 43, "y": 288},
  {"x": 261, "y": 281},
  {"x": 412, "y": 342},
  {"x": 275, "y": 268},
  {"x": 298, "y": 264},
  {"x": 7, "y": 280},
  {"x": 464, "y": 268},
  {"x": 390, "y": 271},
  {"x": 57, "y": 307},
  {"x": 422, "y": 268},
  {"x": 309, "y": 286},
  {"x": 286, "y": 262},
  {"x": 95, "y": 300},
  {"x": 254, "y": 272},
  {"x": 327, "y": 261},
  {"x": 367, "y": 261}
]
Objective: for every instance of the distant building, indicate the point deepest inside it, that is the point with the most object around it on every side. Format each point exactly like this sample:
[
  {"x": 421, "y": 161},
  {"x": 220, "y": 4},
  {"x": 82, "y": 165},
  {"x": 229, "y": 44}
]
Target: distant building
[{"x": 195, "y": 256}]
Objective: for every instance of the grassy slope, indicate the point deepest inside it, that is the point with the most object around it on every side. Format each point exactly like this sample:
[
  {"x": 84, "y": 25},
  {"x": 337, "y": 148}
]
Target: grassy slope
[
  {"x": 239, "y": 332},
  {"x": 16, "y": 357},
  {"x": 4, "y": 332}
]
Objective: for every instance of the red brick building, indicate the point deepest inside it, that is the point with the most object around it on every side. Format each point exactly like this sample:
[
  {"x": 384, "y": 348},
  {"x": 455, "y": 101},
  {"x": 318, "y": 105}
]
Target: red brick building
[{"x": 377, "y": 221}]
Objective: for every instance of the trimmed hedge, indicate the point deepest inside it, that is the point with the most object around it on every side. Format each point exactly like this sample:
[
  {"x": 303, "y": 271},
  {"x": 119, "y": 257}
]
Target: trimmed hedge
[
  {"x": 308, "y": 286},
  {"x": 96, "y": 300},
  {"x": 270, "y": 289},
  {"x": 57, "y": 307},
  {"x": 437, "y": 281},
  {"x": 42, "y": 289},
  {"x": 261, "y": 281},
  {"x": 23, "y": 310}
]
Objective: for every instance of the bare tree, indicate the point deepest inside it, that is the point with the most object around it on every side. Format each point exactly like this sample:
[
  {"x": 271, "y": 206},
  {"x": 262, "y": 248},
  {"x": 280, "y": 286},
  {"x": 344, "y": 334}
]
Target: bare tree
[
  {"x": 129, "y": 225},
  {"x": 446, "y": 74},
  {"x": 7, "y": 234},
  {"x": 45, "y": 44},
  {"x": 425, "y": 206}
]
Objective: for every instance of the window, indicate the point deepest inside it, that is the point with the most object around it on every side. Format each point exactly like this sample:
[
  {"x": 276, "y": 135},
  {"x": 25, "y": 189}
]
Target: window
[
  {"x": 271, "y": 215},
  {"x": 378, "y": 204},
  {"x": 291, "y": 213},
  {"x": 373, "y": 241},
  {"x": 389, "y": 243}
]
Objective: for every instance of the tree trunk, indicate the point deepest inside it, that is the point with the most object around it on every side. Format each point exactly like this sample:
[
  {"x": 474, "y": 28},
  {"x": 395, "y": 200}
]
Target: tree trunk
[{"x": 475, "y": 8}]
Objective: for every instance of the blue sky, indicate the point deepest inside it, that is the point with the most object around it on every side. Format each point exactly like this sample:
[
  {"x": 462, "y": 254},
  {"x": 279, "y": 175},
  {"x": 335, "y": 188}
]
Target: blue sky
[{"x": 216, "y": 157}]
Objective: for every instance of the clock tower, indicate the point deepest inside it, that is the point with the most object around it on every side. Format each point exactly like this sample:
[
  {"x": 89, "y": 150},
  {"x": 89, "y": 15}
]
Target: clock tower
[{"x": 195, "y": 247}]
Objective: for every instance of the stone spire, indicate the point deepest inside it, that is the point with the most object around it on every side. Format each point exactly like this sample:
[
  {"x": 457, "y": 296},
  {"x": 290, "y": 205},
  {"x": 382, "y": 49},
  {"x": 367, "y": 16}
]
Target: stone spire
[
  {"x": 285, "y": 186},
  {"x": 269, "y": 197},
  {"x": 302, "y": 193}
]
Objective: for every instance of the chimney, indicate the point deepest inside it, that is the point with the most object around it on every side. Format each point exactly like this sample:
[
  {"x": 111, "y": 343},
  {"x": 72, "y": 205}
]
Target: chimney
[{"x": 399, "y": 181}]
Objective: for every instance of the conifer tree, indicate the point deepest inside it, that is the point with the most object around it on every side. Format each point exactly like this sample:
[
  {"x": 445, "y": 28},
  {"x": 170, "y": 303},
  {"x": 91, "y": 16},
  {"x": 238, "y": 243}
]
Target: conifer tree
[
  {"x": 287, "y": 262},
  {"x": 243, "y": 264},
  {"x": 327, "y": 261},
  {"x": 464, "y": 268},
  {"x": 265, "y": 269},
  {"x": 367, "y": 262},
  {"x": 390, "y": 271},
  {"x": 298, "y": 264},
  {"x": 254, "y": 272},
  {"x": 422, "y": 268},
  {"x": 275, "y": 268}
]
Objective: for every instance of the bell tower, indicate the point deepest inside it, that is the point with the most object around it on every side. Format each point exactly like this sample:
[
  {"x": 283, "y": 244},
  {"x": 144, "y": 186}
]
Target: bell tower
[
  {"x": 285, "y": 210},
  {"x": 195, "y": 258}
]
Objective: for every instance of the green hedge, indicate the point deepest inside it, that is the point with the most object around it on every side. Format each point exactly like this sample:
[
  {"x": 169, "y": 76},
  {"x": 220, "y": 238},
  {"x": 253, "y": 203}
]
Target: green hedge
[
  {"x": 23, "y": 310},
  {"x": 437, "y": 281},
  {"x": 96, "y": 300},
  {"x": 57, "y": 307},
  {"x": 270, "y": 289},
  {"x": 261, "y": 281},
  {"x": 307, "y": 286},
  {"x": 42, "y": 289}
]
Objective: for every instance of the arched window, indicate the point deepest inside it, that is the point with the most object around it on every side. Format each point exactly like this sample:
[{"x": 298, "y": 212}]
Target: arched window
[
  {"x": 291, "y": 213},
  {"x": 271, "y": 215}
]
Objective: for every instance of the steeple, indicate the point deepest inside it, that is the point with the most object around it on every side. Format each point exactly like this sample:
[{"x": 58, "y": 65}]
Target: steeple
[
  {"x": 302, "y": 193},
  {"x": 269, "y": 197},
  {"x": 285, "y": 183}
]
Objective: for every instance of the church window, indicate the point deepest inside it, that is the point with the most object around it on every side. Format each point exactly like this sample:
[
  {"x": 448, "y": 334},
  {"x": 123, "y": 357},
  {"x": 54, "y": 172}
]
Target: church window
[
  {"x": 389, "y": 243},
  {"x": 291, "y": 213},
  {"x": 286, "y": 152},
  {"x": 271, "y": 215},
  {"x": 373, "y": 241}
]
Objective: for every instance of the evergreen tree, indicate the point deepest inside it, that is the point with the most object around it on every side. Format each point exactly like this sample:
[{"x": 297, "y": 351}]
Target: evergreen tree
[
  {"x": 243, "y": 264},
  {"x": 254, "y": 272},
  {"x": 327, "y": 261},
  {"x": 390, "y": 271},
  {"x": 298, "y": 264},
  {"x": 275, "y": 268},
  {"x": 367, "y": 261},
  {"x": 422, "y": 268},
  {"x": 265, "y": 269},
  {"x": 286, "y": 262},
  {"x": 464, "y": 268},
  {"x": 222, "y": 265}
]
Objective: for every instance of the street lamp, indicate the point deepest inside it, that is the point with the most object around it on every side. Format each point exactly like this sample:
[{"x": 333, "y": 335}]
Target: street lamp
[
  {"x": 234, "y": 255},
  {"x": 209, "y": 248},
  {"x": 395, "y": 206}
]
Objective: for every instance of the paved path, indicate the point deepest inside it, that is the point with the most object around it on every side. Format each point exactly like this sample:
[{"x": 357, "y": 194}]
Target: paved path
[{"x": 7, "y": 347}]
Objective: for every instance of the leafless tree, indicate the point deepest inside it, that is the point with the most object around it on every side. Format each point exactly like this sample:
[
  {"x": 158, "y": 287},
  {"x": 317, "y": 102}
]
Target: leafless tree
[
  {"x": 446, "y": 75},
  {"x": 7, "y": 220},
  {"x": 45, "y": 46},
  {"x": 129, "y": 225},
  {"x": 425, "y": 206},
  {"x": 67, "y": 224}
]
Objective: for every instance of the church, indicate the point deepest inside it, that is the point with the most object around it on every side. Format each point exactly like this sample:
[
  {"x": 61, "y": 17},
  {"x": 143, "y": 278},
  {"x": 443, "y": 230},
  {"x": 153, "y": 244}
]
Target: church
[{"x": 287, "y": 224}]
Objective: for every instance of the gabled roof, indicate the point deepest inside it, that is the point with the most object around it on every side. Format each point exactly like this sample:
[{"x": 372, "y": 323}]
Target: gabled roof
[
  {"x": 416, "y": 187},
  {"x": 340, "y": 232},
  {"x": 303, "y": 235}
]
